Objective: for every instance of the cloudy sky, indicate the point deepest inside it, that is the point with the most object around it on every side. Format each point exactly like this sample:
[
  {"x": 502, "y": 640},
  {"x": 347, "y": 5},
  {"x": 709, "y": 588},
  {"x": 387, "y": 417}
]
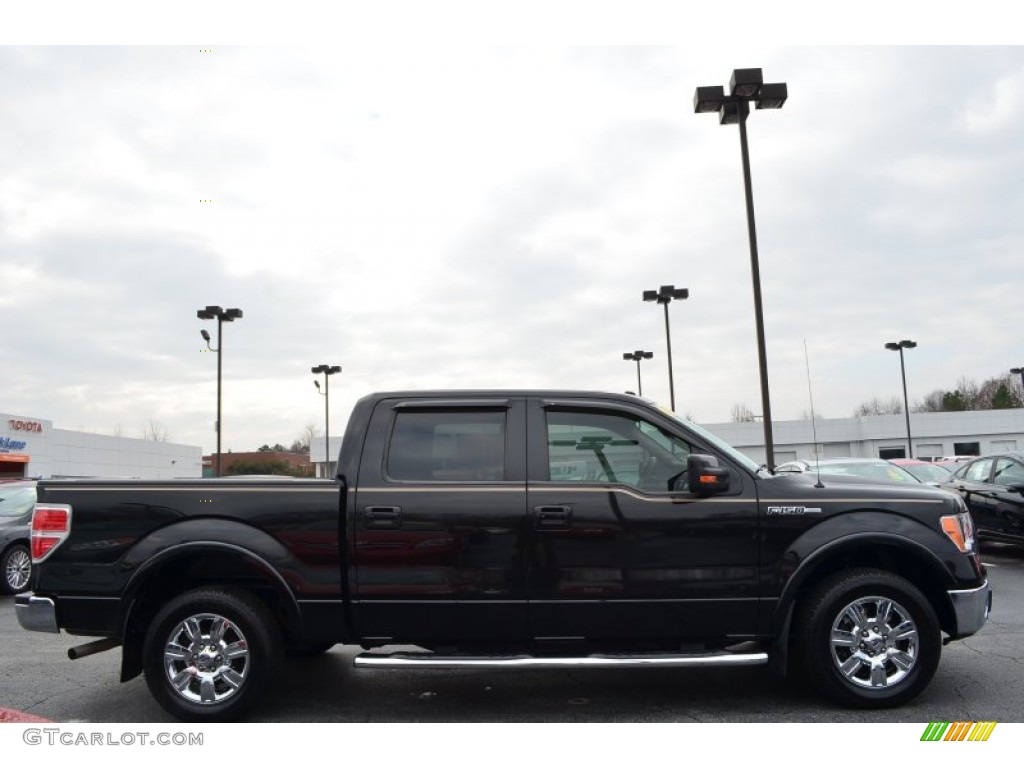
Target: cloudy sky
[{"x": 488, "y": 216}]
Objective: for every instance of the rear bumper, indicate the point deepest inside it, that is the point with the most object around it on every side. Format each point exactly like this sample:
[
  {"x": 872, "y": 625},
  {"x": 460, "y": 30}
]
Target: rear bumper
[
  {"x": 36, "y": 614},
  {"x": 972, "y": 607}
]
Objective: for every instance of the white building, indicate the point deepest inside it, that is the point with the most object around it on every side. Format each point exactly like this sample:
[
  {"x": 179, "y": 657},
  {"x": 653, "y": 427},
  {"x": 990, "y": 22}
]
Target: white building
[
  {"x": 32, "y": 447},
  {"x": 316, "y": 456},
  {"x": 954, "y": 433}
]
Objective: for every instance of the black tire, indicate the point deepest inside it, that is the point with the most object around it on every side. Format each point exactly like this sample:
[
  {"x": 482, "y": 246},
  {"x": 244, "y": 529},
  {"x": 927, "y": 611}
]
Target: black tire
[
  {"x": 887, "y": 639},
  {"x": 16, "y": 567},
  {"x": 220, "y": 645}
]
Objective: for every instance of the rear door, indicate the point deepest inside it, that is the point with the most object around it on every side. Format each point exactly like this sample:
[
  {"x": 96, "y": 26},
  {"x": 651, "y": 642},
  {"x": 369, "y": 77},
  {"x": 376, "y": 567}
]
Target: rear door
[
  {"x": 615, "y": 554},
  {"x": 438, "y": 539}
]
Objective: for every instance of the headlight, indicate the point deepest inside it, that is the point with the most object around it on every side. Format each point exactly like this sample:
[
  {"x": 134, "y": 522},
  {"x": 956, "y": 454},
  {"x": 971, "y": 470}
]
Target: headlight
[{"x": 960, "y": 529}]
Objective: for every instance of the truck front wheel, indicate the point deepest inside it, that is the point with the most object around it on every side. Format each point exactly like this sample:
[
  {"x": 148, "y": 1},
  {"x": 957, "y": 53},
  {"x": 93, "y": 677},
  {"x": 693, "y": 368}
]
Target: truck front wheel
[
  {"x": 209, "y": 654},
  {"x": 868, "y": 638}
]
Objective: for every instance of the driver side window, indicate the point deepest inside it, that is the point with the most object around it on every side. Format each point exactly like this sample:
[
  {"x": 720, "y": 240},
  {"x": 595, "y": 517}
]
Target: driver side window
[{"x": 601, "y": 447}]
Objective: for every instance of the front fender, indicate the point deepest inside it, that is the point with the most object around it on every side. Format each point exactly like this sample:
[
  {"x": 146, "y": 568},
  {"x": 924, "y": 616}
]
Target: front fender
[{"x": 870, "y": 537}]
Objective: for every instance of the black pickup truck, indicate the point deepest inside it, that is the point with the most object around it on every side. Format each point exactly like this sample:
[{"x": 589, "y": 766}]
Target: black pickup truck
[{"x": 514, "y": 529}]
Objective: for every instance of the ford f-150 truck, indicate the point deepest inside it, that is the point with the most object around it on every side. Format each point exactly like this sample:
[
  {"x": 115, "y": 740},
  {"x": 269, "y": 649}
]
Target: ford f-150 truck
[{"x": 511, "y": 529}]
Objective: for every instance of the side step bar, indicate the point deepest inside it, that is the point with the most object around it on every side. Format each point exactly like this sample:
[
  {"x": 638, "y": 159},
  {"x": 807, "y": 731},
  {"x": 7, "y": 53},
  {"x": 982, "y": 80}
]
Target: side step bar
[{"x": 595, "y": 661}]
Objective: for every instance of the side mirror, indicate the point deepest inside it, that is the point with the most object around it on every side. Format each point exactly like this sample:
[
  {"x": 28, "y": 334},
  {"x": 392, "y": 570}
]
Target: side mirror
[
  {"x": 704, "y": 476},
  {"x": 1016, "y": 488}
]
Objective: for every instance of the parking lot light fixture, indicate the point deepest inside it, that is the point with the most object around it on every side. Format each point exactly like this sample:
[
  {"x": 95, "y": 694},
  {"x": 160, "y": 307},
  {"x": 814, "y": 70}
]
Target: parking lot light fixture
[
  {"x": 222, "y": 316},
  {"x": 745, "y": 86},
  {"x": 664, "y": 296},
  {"x": 638, "y": 355},
  {"x": 1020, "y": 372},
  {"x": 899, "y": 346},
  {"x": 327, "y": 371}
]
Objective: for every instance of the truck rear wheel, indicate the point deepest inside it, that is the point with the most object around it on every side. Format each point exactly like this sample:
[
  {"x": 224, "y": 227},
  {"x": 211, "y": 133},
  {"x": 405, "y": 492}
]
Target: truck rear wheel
[
  {"x": 209, "y": 654},
  {"x": 868, "y": 638}
]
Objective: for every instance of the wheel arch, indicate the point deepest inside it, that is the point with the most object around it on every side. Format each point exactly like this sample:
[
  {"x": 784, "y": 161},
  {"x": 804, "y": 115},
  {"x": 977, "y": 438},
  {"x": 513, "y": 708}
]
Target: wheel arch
[
  {"x": 183, "y": 567},
  {"x": 895, "y": 554}
]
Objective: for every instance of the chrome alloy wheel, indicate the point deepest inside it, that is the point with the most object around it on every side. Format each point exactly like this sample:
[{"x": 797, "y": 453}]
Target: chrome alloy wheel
[
  {"x": 874, "y": 642},
  {"x": 206, "y": 658},
  {"x": 18, "y": 569}
]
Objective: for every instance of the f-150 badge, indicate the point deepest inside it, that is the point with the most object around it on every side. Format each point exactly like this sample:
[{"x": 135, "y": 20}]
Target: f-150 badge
[{"x": 794, "y": 510}]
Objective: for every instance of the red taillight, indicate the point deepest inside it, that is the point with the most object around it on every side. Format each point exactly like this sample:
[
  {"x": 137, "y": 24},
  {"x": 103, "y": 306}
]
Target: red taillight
[{"x": 51, "y": 524}]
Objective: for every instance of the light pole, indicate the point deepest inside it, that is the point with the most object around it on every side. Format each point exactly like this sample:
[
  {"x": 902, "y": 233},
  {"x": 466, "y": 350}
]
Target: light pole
[
  {"x": 664, "y": 296},
  {"x": 223, "y": 316},
  {"x": 326, "y": 370},
  {"x": 900, "y": 346},
  {"x": 747, "y": 85},
  {"x": 638, "y": 355},
  {"x": 1019, "y": 371}
]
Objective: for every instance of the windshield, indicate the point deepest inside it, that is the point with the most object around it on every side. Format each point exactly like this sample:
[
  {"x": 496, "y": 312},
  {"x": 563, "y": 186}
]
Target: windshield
[
  {"x": 16, "y": 500},
  {"x": 928, "y": 473},
  {"x": 873, "y": 470},
  {"x": 716, "y": 442}
]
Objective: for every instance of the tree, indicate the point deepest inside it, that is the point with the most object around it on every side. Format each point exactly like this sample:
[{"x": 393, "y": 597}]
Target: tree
[
  {"x": 259, "y": 467},
  {"x": 741, "y": 413},
  {"x": 155, "y": 431},
  {"x": 932, "y": 403},
  {"x": 269, "y": 448},
  {"x": 997, "y": 392},
  {"x": 971, "y": 394},
  {"x": 878, "y": 407},
  {"x": 1004, "y": 397},
  {"x": 955, "y": 401},
  {"x": 306, "y": 436}
]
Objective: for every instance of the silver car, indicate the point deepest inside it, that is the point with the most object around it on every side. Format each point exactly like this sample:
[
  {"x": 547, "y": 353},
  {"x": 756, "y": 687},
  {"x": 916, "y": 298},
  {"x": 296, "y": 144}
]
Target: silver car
[
  {"x": 17, "y": 498},
  {"x": 852, "y": 470}
]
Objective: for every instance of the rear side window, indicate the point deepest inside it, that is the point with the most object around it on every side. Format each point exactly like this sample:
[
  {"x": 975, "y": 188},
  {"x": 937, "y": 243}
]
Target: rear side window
[{"x": 447, "y": 446}]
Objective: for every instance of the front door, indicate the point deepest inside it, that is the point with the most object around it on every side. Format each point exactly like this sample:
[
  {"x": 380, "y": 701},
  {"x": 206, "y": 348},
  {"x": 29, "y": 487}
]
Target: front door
[{"x": 616, "y": 554}]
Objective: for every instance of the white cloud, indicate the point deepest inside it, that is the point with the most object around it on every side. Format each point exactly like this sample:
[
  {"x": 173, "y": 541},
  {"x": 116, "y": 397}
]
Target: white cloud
[
  {"x": 998, "y": 109},
  {"x": 481, "y": 216}
]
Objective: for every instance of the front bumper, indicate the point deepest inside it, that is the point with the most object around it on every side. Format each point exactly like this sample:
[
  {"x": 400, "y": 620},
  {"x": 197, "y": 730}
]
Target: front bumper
[
  {"x": 972, "y": 607},
  {"x": 36, "y": 614}
]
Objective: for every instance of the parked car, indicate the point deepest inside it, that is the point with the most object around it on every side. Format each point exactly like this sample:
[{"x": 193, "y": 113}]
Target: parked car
[
  {"x": 925, "y": 471},
  {"x": 993, "y": 488},
  {"x": 852, "y": 469},
  {"x": 17, "y": 497}
]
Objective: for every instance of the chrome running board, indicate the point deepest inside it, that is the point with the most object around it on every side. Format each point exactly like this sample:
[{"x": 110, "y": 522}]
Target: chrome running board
[{"x": 595, "y": 661}]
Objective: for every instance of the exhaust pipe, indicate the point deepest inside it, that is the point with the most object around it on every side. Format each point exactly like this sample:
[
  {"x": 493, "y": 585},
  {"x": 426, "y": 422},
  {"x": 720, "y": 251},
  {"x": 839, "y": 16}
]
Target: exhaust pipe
[{"x": 96, "y": 646}]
